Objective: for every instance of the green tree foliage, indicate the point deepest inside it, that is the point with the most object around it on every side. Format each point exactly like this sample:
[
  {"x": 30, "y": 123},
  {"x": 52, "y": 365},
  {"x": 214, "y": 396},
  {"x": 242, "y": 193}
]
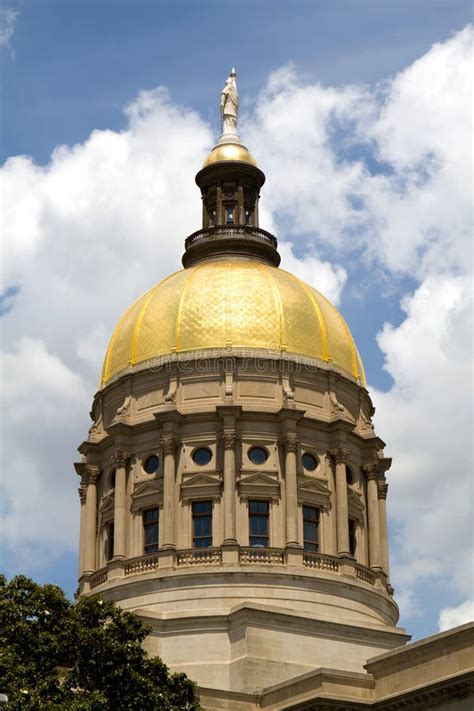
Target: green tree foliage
[{"x": 86, "y": 656}]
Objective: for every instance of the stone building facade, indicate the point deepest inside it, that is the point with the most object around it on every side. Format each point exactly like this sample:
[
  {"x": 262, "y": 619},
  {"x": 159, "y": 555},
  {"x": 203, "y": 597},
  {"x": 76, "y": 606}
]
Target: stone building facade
[{"x": 232, "y": 487}]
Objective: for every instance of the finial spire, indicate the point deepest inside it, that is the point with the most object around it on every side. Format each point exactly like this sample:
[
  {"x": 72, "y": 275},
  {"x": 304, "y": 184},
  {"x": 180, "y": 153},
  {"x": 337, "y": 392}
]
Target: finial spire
[{"x": 229, "y": 110}]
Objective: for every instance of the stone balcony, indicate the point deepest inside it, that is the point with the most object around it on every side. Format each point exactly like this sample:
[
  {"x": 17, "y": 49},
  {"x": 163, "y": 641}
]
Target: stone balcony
[{"x": 292, "y": 560}]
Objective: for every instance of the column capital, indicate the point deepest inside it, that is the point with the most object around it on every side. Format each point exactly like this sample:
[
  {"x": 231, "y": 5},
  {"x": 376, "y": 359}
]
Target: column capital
[
  {"x": 92, "y": 473},
  {"x": 169, "y": 444},
  {"x": 370, "y": 471},
  {"x": 290, "y": 442},
  {"x": 382, "y": 489},
  {"x": 339, "y": 455},
  {"x": 229, "y": 438},
  {"x": 120, "y": 458}
]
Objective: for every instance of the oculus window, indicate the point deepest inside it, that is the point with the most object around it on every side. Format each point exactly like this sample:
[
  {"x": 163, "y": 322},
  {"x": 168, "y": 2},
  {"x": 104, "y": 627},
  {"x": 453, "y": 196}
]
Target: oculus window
[
  {"x": 202, "y": 456},
  {"x": 152, "y": 464},
  {"x": 309, "y": 461},
  {"x": 258, "y": 455},
  {"x": 258, "y": 524},
  {"x": 202, "y": 524}
]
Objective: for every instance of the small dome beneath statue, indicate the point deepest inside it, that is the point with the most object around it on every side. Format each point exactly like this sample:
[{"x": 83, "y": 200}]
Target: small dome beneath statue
[{"x": 229, "y": 152}]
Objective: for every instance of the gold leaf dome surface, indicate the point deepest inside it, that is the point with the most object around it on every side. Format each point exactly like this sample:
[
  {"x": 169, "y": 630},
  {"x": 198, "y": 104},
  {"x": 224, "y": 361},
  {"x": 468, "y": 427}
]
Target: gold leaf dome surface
[
  {"x": 238, "y": 304},
  {"x": 229, "y": 151}
]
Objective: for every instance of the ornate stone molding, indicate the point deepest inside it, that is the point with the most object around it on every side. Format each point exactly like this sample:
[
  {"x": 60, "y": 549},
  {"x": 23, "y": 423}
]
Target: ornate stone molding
[
  {"x": 120, "y": 458},
  {"x": 370, "y": 471},
  {"x": 291, "y": 442},
  {"x": 382, "y": 488},
  {"x": 92, "y": 473},
  {"x": 169, "y": 444},
  {"x": 339, "y": 455},
  {"x": 229, "y": 439}
]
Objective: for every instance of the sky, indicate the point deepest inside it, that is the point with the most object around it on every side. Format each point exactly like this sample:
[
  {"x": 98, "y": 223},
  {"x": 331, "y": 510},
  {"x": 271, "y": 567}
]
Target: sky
[{"x": 359, "y": 115}]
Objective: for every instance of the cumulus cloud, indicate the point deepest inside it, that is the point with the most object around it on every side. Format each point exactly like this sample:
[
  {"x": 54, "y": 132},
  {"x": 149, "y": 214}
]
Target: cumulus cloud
[
  {"x": 454, "y": 616},
  {"x": 373, "y": 175}
]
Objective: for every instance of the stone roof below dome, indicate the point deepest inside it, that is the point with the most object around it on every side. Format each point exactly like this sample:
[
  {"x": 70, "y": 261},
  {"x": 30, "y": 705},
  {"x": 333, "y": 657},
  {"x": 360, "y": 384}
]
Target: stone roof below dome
[{"x": 240, "y": 304}]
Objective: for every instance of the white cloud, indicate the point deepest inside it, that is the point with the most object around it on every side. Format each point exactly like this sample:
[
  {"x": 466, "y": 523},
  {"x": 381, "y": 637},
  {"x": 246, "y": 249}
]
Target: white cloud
[
  {"x": 454, "y": 616},
  {"x": 8, "y": 18},
  {"x": 428, "y": 422},
  {"x": 44, "y": 402}
]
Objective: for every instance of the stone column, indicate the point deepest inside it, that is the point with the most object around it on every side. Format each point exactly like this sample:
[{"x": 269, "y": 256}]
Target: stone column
[
  {"x": 382, "y": 494},
  {"x": 342, "y": 510},
  {"x": 169, "y": 469},
  {"x": 82, "y": 535},
  {"x": 229, "y": 440},
  {"x": 291, "y": 504},
  {"x": 373, "y": 516},
  {"x": 120, "y": 460},
  {"x": 92, "y": 473}
]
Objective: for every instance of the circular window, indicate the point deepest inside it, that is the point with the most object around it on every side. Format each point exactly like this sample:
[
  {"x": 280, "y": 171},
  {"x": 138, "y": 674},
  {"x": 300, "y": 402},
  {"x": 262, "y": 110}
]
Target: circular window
[
  {"x": 202, "y": 456},
  {"x": 310, "y": 462},
  {"x": 258, "y": 455},
  {"x": 151, "y": 465},
  {"x": 349, "y": 475}
]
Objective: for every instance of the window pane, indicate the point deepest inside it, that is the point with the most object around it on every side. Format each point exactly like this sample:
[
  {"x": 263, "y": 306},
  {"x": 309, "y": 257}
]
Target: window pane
[
  {"x": 150, "y": 515},
  {"x": 258, "y": 507},
  {"x": 151, "y": 534},
  {"x": 203, "y": 543},
  {"x": 258, "y": 541}
]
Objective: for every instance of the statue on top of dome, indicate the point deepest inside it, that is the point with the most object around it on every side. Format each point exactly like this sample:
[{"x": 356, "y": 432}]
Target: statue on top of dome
[{"x": 230, "y": 107}]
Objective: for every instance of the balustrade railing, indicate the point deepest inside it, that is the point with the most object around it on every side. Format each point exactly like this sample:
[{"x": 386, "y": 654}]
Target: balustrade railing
[
  {"x": 231, "y": 231},
  {"x": 321, "y": 562},
  {"x": 97, "y": 578},
  {"x": 266, "y": 556},
  {"x": 213, "y": 556},
  {"x": 200, "y": 556},
  {"x": 364, "y": 574},
  {"x": 142, "y": 564}
]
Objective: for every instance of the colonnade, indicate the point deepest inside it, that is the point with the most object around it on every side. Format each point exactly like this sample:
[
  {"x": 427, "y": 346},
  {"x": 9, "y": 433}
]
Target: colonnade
[{"x": 377, "y": 533}]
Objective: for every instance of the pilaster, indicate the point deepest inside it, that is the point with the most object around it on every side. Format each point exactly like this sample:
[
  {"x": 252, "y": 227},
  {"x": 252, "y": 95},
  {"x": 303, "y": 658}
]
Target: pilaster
[{"x": 342, "y": 510}]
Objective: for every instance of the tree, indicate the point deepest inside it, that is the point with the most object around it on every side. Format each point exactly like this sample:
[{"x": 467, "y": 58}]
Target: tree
[{"x": 86, "y": 656}]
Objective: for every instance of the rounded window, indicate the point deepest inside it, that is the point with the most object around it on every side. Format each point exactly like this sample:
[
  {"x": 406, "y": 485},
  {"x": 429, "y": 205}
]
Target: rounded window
[
  {"x": 349, "y": 475},
  {"x": 202, "y": 456},
  {"x": 310, "y": 462},
  {"x": 152, "y": 464},
  {"x": 258, "y": 455}
]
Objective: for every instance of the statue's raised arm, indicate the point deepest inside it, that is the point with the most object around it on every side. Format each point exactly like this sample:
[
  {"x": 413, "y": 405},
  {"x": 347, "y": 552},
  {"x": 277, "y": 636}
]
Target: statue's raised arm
[{"x": 230, "y": 107}]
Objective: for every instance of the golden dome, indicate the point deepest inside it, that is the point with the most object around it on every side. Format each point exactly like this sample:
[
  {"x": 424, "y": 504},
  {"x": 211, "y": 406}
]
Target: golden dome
[
  {"x": 237, "y": 304},
  {"x": 229, "y": 151}
]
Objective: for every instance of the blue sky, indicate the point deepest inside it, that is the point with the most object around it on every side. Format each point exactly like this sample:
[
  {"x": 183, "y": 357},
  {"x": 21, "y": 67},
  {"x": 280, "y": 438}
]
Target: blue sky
[{"x": 70, "y": 67}]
